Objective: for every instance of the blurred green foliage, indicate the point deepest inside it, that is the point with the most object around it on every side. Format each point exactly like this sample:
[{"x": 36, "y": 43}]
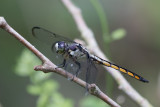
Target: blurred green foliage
[
  {"x": 92, "y": 101},
  {"x": 118, "y": 34},
  {"x": 41, "y": 84}
]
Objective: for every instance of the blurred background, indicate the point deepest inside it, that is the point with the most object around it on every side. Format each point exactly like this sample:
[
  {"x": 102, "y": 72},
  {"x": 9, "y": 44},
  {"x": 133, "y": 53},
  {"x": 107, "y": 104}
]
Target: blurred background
[{"x": 137, "y": 49}]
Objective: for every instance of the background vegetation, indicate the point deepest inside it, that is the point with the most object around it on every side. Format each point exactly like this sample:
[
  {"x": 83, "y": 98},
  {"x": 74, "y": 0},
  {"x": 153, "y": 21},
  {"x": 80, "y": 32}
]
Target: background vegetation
[{"x": 138, "y": 51}]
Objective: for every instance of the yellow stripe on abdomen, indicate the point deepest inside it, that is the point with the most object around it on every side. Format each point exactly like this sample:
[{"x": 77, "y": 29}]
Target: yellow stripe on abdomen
[
  {"x": 107, "y": 64},
  {"x": 134, "y": 75},
  {"x": 130, "y": 74},
  {"x": 99, "y": 60},
  {"x": 137, "y": 77},
  {"x": 122, "y": 70},
  {"x": 115, "y": 67}
]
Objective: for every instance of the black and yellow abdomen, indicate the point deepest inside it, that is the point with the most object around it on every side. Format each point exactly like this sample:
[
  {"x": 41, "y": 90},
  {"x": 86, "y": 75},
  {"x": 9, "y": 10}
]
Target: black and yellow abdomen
[{"x": 109, "y": 64}]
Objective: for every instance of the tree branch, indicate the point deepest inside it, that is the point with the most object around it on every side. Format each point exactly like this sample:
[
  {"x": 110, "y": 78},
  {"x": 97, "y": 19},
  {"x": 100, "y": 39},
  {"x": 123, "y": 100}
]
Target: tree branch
[
  {"x": 88, "y": 36},
  {"x": 48, "y": 66}
]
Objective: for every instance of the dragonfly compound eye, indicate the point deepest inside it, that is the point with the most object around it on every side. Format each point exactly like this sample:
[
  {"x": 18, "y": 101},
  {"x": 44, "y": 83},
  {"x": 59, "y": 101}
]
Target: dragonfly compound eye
[{"x": 60, "y": 47}]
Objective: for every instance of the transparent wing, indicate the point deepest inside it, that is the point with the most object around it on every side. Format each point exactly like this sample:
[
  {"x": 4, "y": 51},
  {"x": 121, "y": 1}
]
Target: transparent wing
[
  {"x": 47, "y": 36},
  {"x": 88, "y": 71},
  {"x": 91, "y": 72}
]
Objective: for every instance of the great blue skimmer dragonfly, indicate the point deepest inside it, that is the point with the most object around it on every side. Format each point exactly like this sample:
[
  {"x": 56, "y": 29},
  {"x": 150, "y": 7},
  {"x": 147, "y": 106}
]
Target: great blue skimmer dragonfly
[{"x": 75, "y": 51}]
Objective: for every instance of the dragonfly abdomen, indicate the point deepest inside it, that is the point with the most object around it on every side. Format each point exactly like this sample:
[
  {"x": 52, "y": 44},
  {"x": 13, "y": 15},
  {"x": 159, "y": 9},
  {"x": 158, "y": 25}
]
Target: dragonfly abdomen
[{"x": 99, "y": 60}]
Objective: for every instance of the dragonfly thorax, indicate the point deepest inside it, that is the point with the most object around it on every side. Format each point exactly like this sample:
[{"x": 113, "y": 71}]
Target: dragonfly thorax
[{"x": 60, "y": 47}]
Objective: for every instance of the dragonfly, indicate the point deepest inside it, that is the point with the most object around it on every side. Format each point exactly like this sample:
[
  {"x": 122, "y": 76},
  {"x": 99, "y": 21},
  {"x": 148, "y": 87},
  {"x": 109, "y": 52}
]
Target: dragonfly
[{"x": 71, "y": 50}]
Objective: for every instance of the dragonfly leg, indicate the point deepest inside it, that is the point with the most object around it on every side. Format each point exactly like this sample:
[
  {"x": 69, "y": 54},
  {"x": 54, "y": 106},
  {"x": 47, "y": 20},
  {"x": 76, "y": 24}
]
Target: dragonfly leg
[{"x": 62, "y": 65}]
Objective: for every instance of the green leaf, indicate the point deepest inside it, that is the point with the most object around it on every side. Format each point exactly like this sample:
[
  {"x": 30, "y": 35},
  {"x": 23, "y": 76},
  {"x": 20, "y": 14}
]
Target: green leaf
[
  {"x": 60, "y": 101},
  {"x": 25, "y": 62},
  {"x": 49, "y": 86},
  {"x": 39, "y": 76},
  {"x": 34, "y": 89},
  {"x": 92, "y": 101},
  {"x": 43, "y": 100},
  {"x": 118, "y": 34}
]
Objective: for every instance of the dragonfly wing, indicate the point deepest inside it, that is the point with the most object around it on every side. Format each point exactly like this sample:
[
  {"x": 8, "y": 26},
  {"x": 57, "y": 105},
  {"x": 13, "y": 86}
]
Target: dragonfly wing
[
  {"x": 47, "y": 36},
  {"x": 91, "y": 72}
]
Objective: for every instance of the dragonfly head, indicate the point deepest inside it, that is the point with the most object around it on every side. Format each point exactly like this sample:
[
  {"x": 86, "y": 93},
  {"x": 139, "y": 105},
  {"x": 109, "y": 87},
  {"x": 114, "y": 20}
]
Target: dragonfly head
[{"x": 60, "y": 47}]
